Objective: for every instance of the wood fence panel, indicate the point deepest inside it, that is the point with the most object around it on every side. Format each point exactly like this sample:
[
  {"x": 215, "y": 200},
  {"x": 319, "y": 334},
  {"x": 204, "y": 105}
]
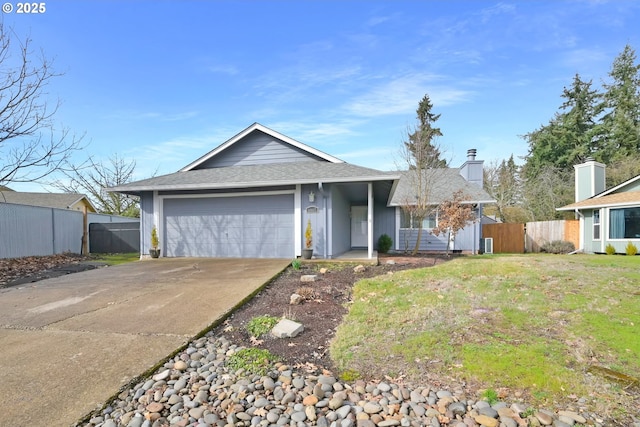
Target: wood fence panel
[
  {"x": 572, "y": 232},
  {"x": 507, "y": 238},
  {"x": 541, "y": 232}
]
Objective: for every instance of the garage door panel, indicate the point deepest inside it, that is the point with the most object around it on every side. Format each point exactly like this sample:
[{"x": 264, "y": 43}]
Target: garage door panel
[{"x": 252, "y": 226}]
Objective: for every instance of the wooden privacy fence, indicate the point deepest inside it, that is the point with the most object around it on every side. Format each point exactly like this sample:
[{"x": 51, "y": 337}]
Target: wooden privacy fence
[
  {"x": 540, "y": 232},
  {"x": 529, "y": 237},
  {"x": 507, "y": 238}
]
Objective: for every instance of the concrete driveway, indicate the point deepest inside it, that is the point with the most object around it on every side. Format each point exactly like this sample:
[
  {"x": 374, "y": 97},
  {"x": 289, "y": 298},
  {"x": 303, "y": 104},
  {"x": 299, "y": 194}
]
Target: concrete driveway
[{"x": 68, "y": 344}]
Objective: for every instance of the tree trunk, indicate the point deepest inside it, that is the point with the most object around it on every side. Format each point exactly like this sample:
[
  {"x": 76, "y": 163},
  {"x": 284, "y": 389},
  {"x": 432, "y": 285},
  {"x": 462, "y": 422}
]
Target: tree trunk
[{"x": 416, "y": 248}]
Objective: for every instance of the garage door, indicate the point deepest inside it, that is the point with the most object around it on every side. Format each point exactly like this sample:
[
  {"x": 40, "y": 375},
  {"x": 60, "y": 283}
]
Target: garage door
[{"x": 234, "y": 227}]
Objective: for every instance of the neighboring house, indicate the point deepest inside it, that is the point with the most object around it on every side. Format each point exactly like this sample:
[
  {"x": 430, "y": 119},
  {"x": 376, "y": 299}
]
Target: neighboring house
[
  {"x": 606, "y": 216},
  {"x": 73, "y": 201},
  {"x": 253, "y": 195}
]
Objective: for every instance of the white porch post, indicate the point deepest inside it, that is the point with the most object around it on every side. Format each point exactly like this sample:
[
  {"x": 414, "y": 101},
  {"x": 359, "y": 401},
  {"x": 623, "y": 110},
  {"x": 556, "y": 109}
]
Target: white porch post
[
  {"x": 370, "y": 221},
  {"x": 297, "y": 220}
]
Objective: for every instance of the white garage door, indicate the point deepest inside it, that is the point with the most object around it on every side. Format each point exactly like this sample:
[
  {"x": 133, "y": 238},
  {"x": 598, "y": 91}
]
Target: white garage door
[{"x": 234, "y": 227}]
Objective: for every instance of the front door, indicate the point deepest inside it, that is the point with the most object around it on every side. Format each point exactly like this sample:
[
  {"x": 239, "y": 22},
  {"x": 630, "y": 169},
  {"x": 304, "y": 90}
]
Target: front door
[{"x": 359, "y": 226}]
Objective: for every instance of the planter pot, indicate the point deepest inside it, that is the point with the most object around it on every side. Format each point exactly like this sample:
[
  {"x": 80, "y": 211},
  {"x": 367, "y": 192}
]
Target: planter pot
[
  {"x": 307, "y": 253},
  {"x": 155, "y": 253}
]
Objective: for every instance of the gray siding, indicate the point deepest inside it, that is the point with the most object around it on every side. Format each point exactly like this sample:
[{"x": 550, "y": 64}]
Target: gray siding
[
  {"x": 33, "y": 230},
  {"x": 429, "y": 242},
  {"x": 340, "y": 221},
  {"x": 146, "y": 222},
  {"x": 257, "y": 148},
  {"x": 384, "y": 222},
  {"x": 316, "y": 211}
]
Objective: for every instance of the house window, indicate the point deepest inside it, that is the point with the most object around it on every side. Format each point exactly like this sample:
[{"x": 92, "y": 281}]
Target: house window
[
  {"x": 596, "y": 225},
  {"x": 408, "y": 220},
  {"x": 624, "y": 223}
]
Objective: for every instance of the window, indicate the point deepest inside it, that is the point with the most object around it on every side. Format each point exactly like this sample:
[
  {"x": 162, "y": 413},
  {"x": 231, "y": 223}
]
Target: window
[
  {"x": 624, "y": 223},
  {"x": 596, "y": 225},
  {"x": 408, "y": 221}
]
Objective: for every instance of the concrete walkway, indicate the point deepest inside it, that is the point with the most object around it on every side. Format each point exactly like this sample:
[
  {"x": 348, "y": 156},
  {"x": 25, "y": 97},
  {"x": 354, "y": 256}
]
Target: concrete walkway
[{"x": 70, "y": 343}]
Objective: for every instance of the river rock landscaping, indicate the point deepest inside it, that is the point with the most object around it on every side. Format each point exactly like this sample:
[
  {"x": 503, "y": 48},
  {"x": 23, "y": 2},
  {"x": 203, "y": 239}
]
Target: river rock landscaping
[{"x": 198, "y": 387}]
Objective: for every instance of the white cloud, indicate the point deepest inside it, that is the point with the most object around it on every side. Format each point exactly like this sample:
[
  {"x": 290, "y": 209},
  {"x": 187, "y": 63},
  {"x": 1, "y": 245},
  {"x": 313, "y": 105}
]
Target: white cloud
[{"x": 402, "y": 95}]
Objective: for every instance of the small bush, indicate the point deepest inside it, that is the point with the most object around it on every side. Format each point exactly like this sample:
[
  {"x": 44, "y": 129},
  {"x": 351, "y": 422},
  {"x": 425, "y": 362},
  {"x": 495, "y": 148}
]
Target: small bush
[
  {"x": 261, "y": 325},
  {"x": 490, "y": 395},
  {"x": 254, "y": 360},
  {"x": 296, "y": 264},
  {"x": 384, "y": 243},
  {"x": 558, "y": 247},
  {"x": 631, "y": 249},
  {"x": 610, "y": 250},
  {"x": 306, "y": 292}
]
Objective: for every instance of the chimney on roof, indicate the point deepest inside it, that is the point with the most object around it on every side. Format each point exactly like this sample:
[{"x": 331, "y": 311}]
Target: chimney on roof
[
  {"x": 471, "y": 154},
  {"x": 590, "y": 178},
  {"x": 471, "y": 170}
]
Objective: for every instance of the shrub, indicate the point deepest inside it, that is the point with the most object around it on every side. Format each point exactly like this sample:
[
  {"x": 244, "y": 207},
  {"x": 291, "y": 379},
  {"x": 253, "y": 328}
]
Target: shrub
[
  {"x": 306, "y": 292},
  {"x": 610, "y": 250},
  {"x": 261, "y": 325},
  {"x": 384, "y": 243},
  {"x": 631, "y": 249},
  {"x": 296, "y": 264},
  {"x": 558, "y": 247},
  {"x": 254, "y": 360}
]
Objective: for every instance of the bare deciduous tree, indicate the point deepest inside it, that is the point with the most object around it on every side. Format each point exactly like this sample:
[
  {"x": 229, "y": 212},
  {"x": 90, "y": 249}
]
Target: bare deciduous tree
[
  {"x": 453, "y": 216},
  {"x": 30, "y": 145},
  {"x": 91, "y": 179}
]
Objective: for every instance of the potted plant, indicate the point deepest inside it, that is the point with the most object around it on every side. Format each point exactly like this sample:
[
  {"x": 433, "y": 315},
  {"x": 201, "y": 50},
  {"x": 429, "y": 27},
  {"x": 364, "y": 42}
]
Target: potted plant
[
  {"x": 155, "y": 250},
  {"x": 307, "y": 252}
]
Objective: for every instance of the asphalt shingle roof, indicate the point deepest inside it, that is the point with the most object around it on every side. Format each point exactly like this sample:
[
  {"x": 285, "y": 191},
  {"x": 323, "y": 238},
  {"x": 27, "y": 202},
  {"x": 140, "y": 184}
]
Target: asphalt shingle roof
[
  {"x": 441, "y": 184},
  {"x": 256, "y": 176},
  {"x": 47, "y": 200},
  {"x": 617, "y": 199}
]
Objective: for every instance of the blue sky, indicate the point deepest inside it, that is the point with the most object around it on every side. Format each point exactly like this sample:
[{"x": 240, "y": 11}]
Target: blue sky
[{"x": 164, "y": 82}]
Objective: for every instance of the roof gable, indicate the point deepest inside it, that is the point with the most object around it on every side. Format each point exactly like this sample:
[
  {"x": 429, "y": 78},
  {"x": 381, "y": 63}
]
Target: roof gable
[{"x": 257, "y": 145}]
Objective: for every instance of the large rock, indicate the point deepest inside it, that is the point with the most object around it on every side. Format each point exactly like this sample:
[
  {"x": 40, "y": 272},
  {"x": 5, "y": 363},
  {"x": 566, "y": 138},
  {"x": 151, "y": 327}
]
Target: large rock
[{"x": 287, "y": 329}]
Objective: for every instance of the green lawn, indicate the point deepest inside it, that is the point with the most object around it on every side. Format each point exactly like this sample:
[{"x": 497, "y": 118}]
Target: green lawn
[
  {"x": 531, "y": 324},
  {"x": 115, "y": 259}
]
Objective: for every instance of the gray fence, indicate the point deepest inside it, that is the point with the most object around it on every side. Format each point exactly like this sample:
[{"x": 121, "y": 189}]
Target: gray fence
[
  {"x": 115, "y": 237},
  {"x": 32, "y": 230}
]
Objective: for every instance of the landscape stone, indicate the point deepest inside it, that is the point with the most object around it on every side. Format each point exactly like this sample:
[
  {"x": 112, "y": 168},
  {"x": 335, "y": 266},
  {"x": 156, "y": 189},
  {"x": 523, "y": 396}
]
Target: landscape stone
[
  {"x": 358, "y": 269},
  {"x": 308, "y": 278},
  {"x": 286, "y": 328},
  {"x": 296, "y": 299}
]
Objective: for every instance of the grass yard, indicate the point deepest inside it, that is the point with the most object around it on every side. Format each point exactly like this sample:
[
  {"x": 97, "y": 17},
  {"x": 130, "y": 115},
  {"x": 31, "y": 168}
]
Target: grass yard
[
  {"x": 115, "y": 259},
  {"x": 547, "y": 328}
]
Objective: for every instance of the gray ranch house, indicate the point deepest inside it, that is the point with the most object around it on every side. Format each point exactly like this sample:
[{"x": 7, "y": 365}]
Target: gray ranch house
[
  {"x": 606, "y": 216},
  {"x": 253, "y": 196}
]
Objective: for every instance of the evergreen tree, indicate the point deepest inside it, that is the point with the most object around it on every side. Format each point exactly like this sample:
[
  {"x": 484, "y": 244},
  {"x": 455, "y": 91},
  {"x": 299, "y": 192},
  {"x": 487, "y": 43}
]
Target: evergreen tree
[
  {"x": 421, "y": 142},
  {"x": 571, "y": 136},
  {"x": 621, "y": 122}
]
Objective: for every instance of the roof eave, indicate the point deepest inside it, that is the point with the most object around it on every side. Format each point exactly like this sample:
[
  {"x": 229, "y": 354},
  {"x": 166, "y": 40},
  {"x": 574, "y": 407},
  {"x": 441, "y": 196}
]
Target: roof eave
[{"x": 229, "y": 185}]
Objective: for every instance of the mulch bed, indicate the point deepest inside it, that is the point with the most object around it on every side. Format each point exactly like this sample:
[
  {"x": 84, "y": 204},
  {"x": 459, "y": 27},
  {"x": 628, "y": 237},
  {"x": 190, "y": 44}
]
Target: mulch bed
[{"x": 320, "y": 314}]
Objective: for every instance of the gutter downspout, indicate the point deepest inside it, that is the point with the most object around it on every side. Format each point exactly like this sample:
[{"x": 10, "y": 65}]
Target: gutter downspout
[
  {"x": 326, "y": 218},
  {"x": 581, "y": 234}
]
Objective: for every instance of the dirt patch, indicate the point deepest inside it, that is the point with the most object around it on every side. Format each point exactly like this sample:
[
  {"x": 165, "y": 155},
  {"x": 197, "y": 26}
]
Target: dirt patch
[
  {"x": 18, "y": 271},
  {"x": 320, "y": 313}
]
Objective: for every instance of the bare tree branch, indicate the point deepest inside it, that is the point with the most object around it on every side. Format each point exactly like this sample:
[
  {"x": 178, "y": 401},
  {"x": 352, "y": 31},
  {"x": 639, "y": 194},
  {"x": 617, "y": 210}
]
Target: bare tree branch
[{"x": 30, "y": 146}]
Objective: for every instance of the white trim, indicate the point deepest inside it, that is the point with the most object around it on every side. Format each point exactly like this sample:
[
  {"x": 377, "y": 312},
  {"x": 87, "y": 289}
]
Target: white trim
[
  {"x": 370, "y": 220},
  {"x": 247, "y": 131},
  {"x": 159, "y": 208},
  {"x": 157, "y": 222},
  {"x": 609, "y": 239},
  {"x": 220, "y": 195},
  {"x": 297, "y": 220},
  {"x": 397, "y": 227}
]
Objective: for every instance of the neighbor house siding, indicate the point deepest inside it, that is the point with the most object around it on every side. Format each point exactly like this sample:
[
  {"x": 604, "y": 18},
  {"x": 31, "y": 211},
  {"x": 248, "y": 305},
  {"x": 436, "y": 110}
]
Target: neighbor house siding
[{"x": 257, "y": 148}]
